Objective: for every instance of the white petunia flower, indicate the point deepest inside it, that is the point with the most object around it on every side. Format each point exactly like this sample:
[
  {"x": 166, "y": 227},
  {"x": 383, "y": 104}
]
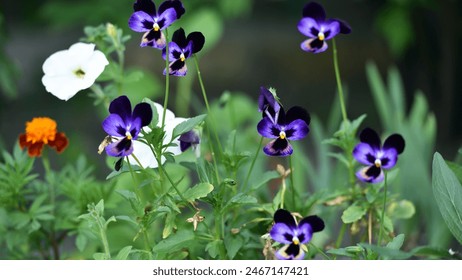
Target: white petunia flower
[
  {"x": 143, "y": 152},
  {"x": 69, "y": 71}
]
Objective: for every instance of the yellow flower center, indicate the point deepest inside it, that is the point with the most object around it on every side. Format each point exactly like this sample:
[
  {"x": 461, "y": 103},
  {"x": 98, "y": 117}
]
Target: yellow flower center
[
  {"x": 321, "y": 36},
  {"x": 282, "y": 135},
  {"x": 128, "y": 135},
  {"x": 378, "y": 163},
  {"x": 156, "y": 27},
  {"x": 41, "y": 130},
  {"x": 295, "y": 240},
  {"x": 182, "y": 58}
]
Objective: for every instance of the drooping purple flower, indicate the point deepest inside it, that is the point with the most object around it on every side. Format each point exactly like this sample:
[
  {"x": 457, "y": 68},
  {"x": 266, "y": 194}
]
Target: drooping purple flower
[
  {"x": 180, "y": 49},
  {"x": 319, "y": 29},
  {"x": 125, "y": 125},
  {"x": 286, "y": 231},
  {"x": 189, "y": 139},
  {"x": 151, "y": 22},
  {"x": 285, "y": 127},
  {"x": 370, "y": 152},
  {"x": 268, "y": 104}
]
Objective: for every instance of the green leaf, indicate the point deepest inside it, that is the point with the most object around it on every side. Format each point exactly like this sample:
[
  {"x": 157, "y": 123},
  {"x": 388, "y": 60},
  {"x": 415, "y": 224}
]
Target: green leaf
[
  {"x": 187, "y": 125},
  {"x": 175, "y": 242},
  {"x": 396, "y": 243},
  {"x": 100, "y": 256},
  {"x": 456, "y": 168},
  {"x": 448, "y": 194},
  {"x": 123, "y": 253},
  {"x": 198, "y": 191},
  {"x": 238, "y": 199},
  {"x": 265, "y": 178},
  {"x": 213, "y": 248},
  {"x": 353, "y": 214},
  {"x": 403, "y": 209},
  {"x": 233, "y": 244}
]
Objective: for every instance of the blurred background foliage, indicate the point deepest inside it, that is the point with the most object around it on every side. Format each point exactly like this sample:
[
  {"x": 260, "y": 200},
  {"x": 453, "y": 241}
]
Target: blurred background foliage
[{"x": 401, "y": 66}]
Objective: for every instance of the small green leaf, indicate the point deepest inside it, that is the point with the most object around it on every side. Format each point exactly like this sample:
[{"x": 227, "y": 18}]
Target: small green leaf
[
  {"x": 175, "y": 242},
  {"x": 448, "y": 194},
  {"x": 187, "y": 125},
  {"x": 265, "y": 178},
  {"x": 198, "y": 191},
  {"x": 396, "y": 243},
  {"x": 100, "y": 256},
  {"x": 233, "y": 244},
  {"x": 353, "y": 214},
  {"x": 238, "y": 199},
  {"x": 213, "y": 248},
  {"x": 403, "y": 209},
  {"x": 123, "y": 253}
]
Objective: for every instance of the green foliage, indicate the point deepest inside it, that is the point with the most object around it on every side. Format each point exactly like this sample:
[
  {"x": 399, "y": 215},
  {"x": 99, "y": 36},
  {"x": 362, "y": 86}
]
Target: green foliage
[{"x": 448, "y": 194}]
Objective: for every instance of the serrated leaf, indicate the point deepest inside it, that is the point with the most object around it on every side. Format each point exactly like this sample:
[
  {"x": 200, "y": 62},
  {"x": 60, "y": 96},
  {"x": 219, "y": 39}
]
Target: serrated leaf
[
  {"x": 238, "y": 199},
  {"x": 187, "y": 125},
  {"x": 198, "y": 191},
  {"x": 448, "y": 194},
  {"x": 353, "y": 214},
  {"x": 233, "y": 244}
]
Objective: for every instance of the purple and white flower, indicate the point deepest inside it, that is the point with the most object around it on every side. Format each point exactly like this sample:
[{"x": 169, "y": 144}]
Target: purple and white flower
[
  {"x": 370, "y": 152},
  {"x": 286, "y": 231}
]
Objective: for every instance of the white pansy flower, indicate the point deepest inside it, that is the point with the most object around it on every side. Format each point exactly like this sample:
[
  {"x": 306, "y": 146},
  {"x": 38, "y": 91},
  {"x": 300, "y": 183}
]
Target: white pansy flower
[
  {"x": 69, "y": 71},
  {"x": 143, "y": 152}
]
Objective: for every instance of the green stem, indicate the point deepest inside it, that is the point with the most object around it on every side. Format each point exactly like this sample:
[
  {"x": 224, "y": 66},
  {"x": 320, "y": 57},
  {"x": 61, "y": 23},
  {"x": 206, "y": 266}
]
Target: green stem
[
  {"x": 341, "y": 234},
  {"x": 339, "y": 82},
  {"x": 283, "y": 191},
  {"x": 209, "y": 111},
  {"x": 102, "y": 232},
  {"x": 244, "y": 186},
  {"x": 292, "y": 184},
  {"x": 167, "y": 80},
  {"x": 383, "y": 210},
  {"x": 320, "y": 251}
]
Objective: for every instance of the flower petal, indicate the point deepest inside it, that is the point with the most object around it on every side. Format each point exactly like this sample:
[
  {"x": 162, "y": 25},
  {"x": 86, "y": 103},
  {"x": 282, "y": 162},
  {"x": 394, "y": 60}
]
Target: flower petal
[
  {"x": 198, "y": 41},
  {"x": 146, "y": 6},
  {"x": 140, "y": 22},
  {"x": 308, "y": 27},
  {"x": 120, "y": 148},
  {"x": 369, "y": 136},
  {"x": 314, "y": 45},
  {"x": 179, "y": 37},
  {"x": 316, "y": 223},
  {"x": 60, "y": 142},
  {"x": 330, "y": 29},
  {"x": 144, "y": 155},
  {"x": 154, "y": 39},
  {"x": 278, "y": 147},
  {"x": 370, "y": 174},
  {"x": 177, "y": 68},
  {"x": 267, "y": 99},
  {"x": 114, "y": 125},
  {"x": 175, "y": 4},
  {"x": 268, "y": 129},
  {"x": 144, "y": 112},
  {"x": 304, "y": 233},
  {"x": 388, "y": 158},
  {"x": 364, "y": 153},
  {"x": 282, "y": 233},
  {"x": 122, "y": 107},
  {"x": 395, "y": 141},
  {"x": 284, "y": 216},
  {"x": 166, "y": 18},
  {"x": 296, "y": 130},
  {"x": 290, "y": 252},
  {"x": 295, "y": 113},
  {"x": 345, "y": 28},
  {"x": 315, "y": 11}
]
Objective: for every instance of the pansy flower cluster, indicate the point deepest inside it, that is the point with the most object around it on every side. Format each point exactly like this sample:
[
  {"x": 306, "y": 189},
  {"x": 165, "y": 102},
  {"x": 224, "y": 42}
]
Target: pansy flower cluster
[
  {"x": 279, "y": 125},
  {"x": 293, "y": 235},
  {"x": 147, "y": 20}
]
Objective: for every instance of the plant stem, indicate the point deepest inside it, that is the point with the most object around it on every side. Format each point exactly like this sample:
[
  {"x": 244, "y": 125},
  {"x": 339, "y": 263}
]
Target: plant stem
[
  {"x": 320, "y": 251},
  {"x": 244, "y": 186},
  {"x": 292, "y": 184},
  {"x": 339, "y": 82},
  {"x": 383, "y": 210},
  {"x": 167, "y": 80},
  {"x": 341, "y": 234},
  {"x": 369, "y": 227}
]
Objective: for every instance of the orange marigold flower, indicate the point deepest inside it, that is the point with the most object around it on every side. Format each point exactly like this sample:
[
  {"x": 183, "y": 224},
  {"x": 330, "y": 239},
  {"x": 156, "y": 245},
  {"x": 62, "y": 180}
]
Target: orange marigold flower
[{"x": 42, "y": 131}]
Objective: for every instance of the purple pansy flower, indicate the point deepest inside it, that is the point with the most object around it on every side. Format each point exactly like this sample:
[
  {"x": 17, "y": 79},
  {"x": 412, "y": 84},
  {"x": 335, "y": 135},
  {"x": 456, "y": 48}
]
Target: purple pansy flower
[
  {"x": 180, "y": 49},
  {"x": 125, "y": 125},
  {"x": 376, "y": 157},
  {"x": 189, "y": 139},
  {"x": 319, "y": 29},
  {"x": 268, "y": 104},
  {"x": 284, "y": 127},
  {"x": 146, "y": 19},
  {"x": 286, "y": 231}
]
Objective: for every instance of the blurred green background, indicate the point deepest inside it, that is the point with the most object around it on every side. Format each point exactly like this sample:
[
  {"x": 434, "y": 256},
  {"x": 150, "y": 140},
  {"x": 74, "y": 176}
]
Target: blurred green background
[{"x": 253, "y": 43}]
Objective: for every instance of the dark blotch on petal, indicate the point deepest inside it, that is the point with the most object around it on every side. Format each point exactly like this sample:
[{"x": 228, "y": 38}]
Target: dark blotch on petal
[
  {"x": 144, "y": 112},
  {"x": 284, "y": 216},
  {"x": 146, "y": 6},
  {"x": 314, "y": 10},
  {"x": 293, "y": 251},
  {"x": 373, "y": 171},
  {"x": 179, "y": 38},
  {"x": 175, "y": 4},
  {"x": 316, "y": 223},
  {"x": 122, "y": 107},
  {"x": 198, "y": 41},
  {"x": 395, "y": 141},
  {"x": 369, "y": 136}
]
